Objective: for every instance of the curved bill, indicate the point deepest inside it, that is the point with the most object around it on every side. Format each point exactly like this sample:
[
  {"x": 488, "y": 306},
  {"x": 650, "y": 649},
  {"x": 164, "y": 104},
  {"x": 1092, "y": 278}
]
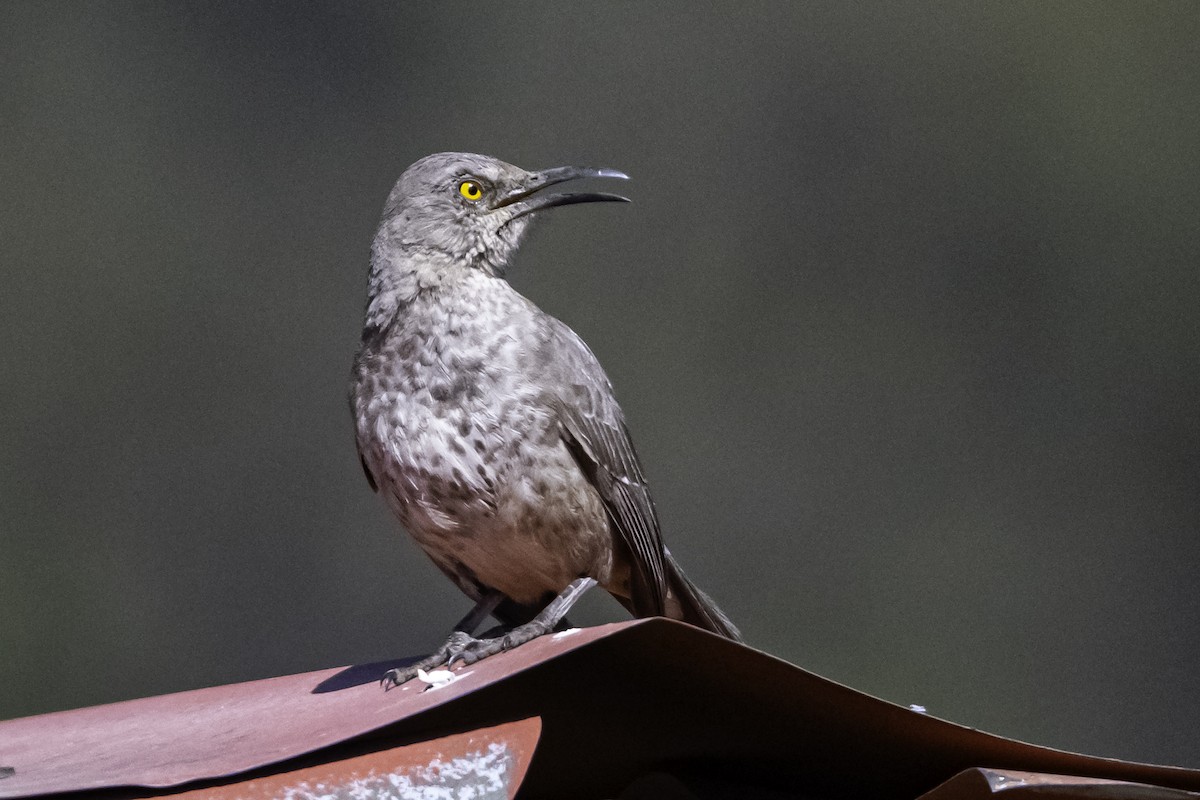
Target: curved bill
[{"x": 522, "y": 199}]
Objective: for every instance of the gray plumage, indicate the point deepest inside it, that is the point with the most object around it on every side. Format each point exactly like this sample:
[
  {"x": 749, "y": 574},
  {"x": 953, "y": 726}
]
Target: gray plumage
[{"x": 488, "y": 426}]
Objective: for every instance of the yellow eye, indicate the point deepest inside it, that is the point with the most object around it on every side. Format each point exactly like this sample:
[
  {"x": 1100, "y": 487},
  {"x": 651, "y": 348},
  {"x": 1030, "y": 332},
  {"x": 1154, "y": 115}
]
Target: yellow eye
[{"x": 470, "y": 190}]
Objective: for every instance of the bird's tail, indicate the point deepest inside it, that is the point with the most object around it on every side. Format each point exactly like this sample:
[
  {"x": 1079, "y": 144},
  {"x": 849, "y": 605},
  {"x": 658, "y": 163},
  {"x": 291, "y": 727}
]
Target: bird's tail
[{"x": 694, "y": 606}]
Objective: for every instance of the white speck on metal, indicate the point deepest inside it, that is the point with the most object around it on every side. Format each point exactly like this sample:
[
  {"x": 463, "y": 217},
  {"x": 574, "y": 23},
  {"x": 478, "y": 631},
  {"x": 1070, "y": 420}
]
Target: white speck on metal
[
  {"x": 916, "y": 708},
  {"x": 435, "y": 677},
  {"x": 439, "y": 677}
]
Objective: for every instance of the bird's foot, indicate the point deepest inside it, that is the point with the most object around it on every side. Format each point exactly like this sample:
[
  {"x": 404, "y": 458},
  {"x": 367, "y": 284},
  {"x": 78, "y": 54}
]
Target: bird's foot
[
  {"x": 467, "y": 649},
  {"x": 444, "y": 656}
]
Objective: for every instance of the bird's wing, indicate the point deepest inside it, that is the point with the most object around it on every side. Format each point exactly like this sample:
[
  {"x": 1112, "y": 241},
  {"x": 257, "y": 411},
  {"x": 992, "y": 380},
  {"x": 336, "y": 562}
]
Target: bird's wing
[
  {"x": 593, "y": 428},
  {"x": 366, "y": 470}
]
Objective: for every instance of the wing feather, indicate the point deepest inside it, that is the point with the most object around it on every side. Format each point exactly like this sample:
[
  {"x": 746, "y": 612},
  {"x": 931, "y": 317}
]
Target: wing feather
[{"x": 593, "y": 427}]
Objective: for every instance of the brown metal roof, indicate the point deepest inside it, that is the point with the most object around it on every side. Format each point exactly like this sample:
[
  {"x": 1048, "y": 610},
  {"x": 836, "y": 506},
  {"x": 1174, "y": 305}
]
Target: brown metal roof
[
  {"x": 980, "y": 784},
  {"x": 489, "y": 762},
  {"x": 615, "y": 703}
]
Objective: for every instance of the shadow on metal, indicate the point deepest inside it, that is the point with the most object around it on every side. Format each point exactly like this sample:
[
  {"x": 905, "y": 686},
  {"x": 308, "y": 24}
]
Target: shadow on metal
[{"x": 360, "y": 675}]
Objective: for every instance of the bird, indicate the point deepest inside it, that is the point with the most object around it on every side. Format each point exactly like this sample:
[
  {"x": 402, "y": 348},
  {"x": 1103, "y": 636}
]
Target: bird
[{"x": 488, "y": 426}]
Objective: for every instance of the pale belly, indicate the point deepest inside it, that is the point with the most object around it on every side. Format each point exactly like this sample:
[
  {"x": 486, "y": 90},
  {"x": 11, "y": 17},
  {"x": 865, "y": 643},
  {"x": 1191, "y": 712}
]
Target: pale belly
[{"x": 490, "y": 492}]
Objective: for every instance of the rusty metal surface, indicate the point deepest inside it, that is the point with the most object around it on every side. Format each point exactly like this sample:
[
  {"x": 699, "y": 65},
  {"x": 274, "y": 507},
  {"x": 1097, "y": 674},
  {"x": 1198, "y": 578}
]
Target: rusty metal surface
[
  {"x": 173, "y": 739},
  {"x": 487, "y": 764},
  {"x": 988, "y": 784},
  {"x": 616, "y": 702}
]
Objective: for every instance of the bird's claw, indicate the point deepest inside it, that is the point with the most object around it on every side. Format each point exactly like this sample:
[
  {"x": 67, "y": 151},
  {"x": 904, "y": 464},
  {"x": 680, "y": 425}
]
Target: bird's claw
[
  {"x": 393, "y": 678},
  {"x": 454, "y": 649},
  {"x": 462, "y": 647}
]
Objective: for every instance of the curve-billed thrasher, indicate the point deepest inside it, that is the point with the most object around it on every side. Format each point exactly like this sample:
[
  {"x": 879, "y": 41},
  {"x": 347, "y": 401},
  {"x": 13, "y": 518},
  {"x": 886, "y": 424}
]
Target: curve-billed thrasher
[{"x": 489, "y": 427}]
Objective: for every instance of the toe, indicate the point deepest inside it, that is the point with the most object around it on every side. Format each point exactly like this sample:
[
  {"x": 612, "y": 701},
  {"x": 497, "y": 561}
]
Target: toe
[{"x": 393, "y": 678}]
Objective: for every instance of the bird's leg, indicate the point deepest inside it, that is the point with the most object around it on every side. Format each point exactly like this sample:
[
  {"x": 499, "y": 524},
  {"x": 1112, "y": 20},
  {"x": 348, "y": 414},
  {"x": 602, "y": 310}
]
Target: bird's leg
[
  {"x": 486, "y": 605},
  {"x": 461, "y": 646}
]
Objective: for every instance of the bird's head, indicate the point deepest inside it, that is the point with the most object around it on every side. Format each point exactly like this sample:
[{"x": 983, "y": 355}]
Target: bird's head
[{"x": 474, "y": 209}]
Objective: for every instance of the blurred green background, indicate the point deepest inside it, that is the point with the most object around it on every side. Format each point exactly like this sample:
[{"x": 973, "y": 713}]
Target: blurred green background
[{"x": 903, "y": 317}]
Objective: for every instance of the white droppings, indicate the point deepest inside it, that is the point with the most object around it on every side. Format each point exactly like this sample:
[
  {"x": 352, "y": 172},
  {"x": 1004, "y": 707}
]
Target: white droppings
[
  {"x": 916, "y": 708},
  {"x": 566, "y": 633},
  {"x": 438, "y": 678}
]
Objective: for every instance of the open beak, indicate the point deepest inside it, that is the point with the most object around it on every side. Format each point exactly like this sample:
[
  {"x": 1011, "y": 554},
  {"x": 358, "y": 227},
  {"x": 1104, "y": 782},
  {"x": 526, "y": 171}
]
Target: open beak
[{"x": 522, "y": 200}]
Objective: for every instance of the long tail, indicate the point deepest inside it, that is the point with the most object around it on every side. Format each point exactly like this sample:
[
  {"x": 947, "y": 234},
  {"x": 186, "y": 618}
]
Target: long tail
[{"x": 693, "y": 606}]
